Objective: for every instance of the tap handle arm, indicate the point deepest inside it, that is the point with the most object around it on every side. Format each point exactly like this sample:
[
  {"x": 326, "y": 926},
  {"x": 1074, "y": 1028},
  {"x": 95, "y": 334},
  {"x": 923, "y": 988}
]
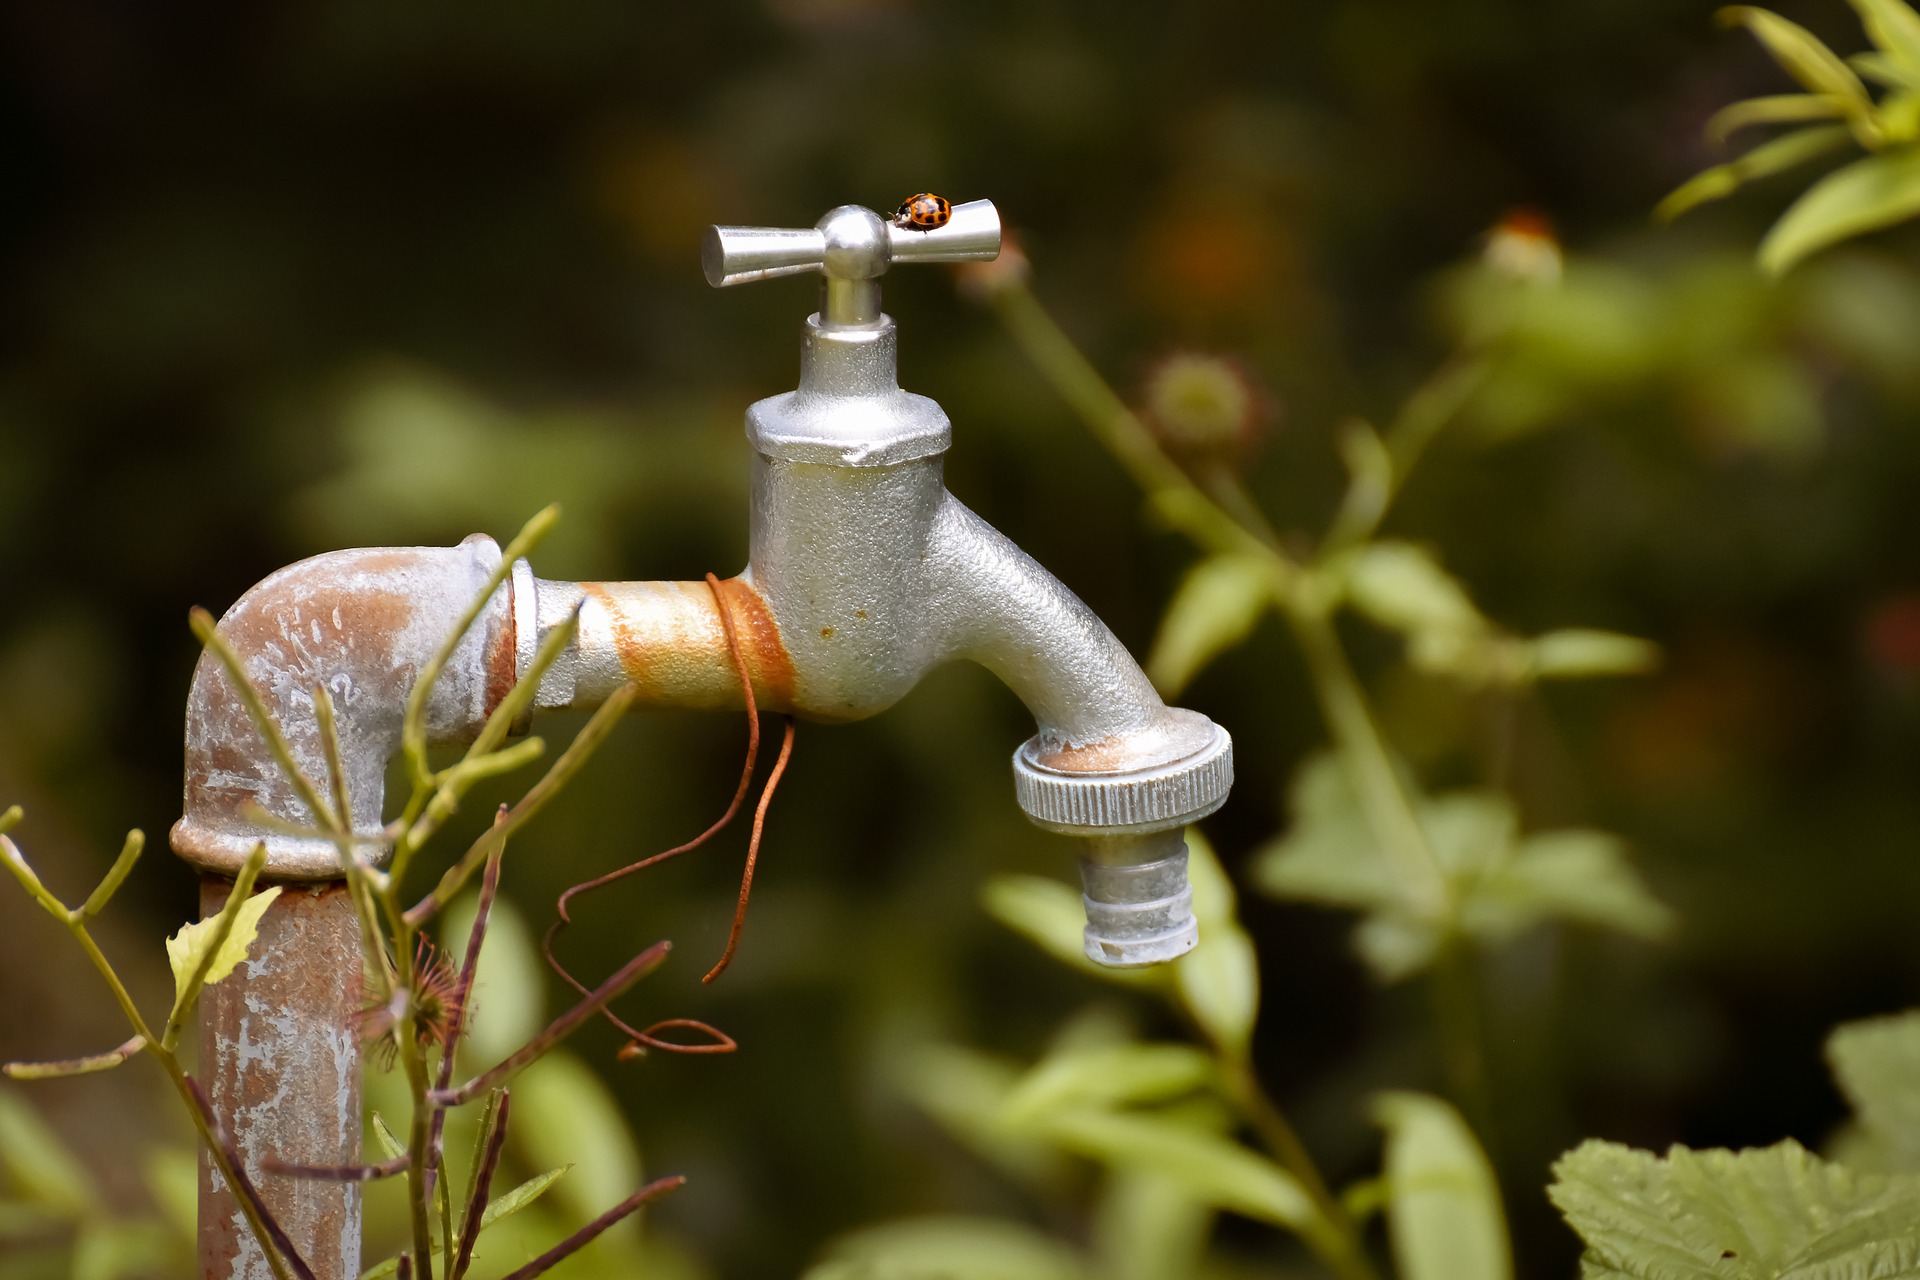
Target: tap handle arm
[{"x": 850, "y": 243}]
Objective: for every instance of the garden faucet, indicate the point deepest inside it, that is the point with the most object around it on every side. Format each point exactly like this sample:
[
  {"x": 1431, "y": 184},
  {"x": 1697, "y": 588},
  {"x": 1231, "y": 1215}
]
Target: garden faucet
[{"x": 864, "y": 574}]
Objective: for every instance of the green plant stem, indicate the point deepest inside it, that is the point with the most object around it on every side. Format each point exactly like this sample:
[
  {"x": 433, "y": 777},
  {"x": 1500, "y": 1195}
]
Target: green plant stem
[
  {"x": 1341, "y": 1249},
  {"x": 1356, "y": 735},
  {"x": 1456, "y": 1016},
  {"x": 216, "y": 1150}
]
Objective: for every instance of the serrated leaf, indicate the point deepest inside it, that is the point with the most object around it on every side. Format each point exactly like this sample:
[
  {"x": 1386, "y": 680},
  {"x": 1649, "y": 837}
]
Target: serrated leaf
[
  {"x": 1866, "y": 195},
  {"x": 1759, "y": 1214},
  {"x": 1574, "y": 653},
  {"x": 1107, "y": 1075},
  {"x": 1774, "y": 156},
  {"x": 1443, "y": 1211},
  {"x": 497, "y": 1208},
  {"x": 1877, "y": 1065},
  {"x": 1800, "y": 53},
  {"x": 187, "y": 948},
  {"x": 1213, "y": 610},
  {"x": 1219, "y": 980},
  {"x": 1050, "y": 915},
  {"x": 1209, "y": 1167},
  {"x": 949, "y": 1248}
]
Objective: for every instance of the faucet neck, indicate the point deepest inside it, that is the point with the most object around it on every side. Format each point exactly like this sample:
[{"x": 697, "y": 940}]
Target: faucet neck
[
  {"x": 849, "y": 410},
  {"x": 856, "y": 360}
]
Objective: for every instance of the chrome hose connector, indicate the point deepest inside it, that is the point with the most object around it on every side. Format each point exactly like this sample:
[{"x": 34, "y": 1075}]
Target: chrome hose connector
[{"x": 1131, "y": 800}]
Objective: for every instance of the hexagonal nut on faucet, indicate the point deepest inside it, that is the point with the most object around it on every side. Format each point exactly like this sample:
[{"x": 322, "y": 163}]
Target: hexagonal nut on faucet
[{"x": 1131, "y": 798}]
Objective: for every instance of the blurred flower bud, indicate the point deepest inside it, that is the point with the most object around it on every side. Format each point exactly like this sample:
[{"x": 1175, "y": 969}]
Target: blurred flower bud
[
  {"x": 1204, "y": 407},
  {"x": 1893, "y": 635},
  {"x": 1522, "y": 247},
  {"x": 981, "y": 281}
]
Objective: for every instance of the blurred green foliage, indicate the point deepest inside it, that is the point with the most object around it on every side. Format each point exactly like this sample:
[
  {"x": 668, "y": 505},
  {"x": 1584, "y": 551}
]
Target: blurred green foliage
[{"x": 282, "y": 279}]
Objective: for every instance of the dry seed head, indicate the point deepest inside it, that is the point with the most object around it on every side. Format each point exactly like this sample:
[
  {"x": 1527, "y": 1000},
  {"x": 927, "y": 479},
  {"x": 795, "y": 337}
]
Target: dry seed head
[{"x": 1203, "y": 406}]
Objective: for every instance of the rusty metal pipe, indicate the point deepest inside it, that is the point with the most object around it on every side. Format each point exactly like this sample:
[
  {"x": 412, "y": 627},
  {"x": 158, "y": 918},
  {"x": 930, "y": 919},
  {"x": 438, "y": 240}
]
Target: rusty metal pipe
[{"x": 280, "y": 1052}]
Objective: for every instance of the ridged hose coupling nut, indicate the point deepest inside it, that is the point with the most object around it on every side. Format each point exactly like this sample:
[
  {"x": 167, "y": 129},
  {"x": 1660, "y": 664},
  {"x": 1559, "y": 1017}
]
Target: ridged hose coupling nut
[{"x": 1130, "y": 798}]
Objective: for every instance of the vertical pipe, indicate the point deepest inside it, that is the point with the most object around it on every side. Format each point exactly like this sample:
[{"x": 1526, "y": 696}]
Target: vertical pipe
[{"x": 280, "y": 1058}]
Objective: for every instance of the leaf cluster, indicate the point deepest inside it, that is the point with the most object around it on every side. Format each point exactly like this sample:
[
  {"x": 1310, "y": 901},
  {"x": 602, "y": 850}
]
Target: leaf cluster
[{"x": 1878, "y": 191}]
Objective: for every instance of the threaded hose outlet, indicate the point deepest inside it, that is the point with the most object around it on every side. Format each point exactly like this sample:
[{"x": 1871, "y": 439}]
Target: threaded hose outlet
[
  {"x": 1139, "y": 903},
  {"x": 1130, "y": 798}
]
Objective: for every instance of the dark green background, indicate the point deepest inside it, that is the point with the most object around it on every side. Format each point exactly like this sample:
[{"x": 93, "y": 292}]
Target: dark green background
[{"x": 279, "y": 278}]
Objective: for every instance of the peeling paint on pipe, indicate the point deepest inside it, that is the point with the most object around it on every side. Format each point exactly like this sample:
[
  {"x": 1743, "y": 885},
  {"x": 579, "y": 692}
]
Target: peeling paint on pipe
[{"x": 280, "y": 1059}]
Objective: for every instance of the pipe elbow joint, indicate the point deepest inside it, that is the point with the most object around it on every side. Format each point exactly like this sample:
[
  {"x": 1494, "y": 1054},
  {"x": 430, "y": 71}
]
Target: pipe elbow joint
[{"x": 363, "y": 623}]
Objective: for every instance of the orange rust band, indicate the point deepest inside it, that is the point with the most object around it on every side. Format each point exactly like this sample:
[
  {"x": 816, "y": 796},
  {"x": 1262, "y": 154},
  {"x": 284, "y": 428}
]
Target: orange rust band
[{"x": 672, "y": 642}]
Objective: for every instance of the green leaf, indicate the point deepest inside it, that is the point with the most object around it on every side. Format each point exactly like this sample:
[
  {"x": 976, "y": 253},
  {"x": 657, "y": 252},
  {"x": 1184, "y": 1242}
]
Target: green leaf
[
  {"x": 1500, "y": 882},
  {"x": 1884, "y": 70},
  {"x": 564, "y": 1114},
  {"x": 966, "y": 1093},
  {"x": 1209, "y": 1167},
  {"x": 497, "y": 1208},
  {"x": 1758, "y": 1214},
  {"x": 1401, "y": 586},
  {"x": 1214, "y": 609},
  {"x": 1877, "y": 1064},
  {"x": 1050, "y": 915},
  {"x": 1443, "y": 1211},
  {"x": 1785, "y": 108},
  {"x": 187, "y": 949},
  {"x": 1570, "y": 875},
  {"x": 1579, "y": 652},
  {"x": 1804, "y": 58},
  {"x": 1219, "y": 980},
  {"x": 390, "y": 1146},
  {"x": 1895, "y": 28},
  {"x": 1866, "y": 195},
  {"x": 107, "y": 1250},
  {"x": 949, "y": 1248},
  {"x": 1107, "y": 1075},
  {"x": 1775, "y": 156},
  {"x": 1146, "y": 1227},
  {"x": 173, "y": 1180},
  {"x": 39, "y": 1164}
]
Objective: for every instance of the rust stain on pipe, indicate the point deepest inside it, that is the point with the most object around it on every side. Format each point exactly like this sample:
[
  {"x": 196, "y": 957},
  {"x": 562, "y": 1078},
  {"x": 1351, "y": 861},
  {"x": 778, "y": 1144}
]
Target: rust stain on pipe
[
  {"x": 671, "y": 643},
  {"x": 280, "y": 1058}
]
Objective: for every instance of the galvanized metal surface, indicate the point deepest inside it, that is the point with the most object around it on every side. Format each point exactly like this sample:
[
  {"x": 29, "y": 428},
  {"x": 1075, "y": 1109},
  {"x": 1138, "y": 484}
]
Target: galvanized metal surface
[
  {"x": 363, "y": 623},
  {"x": 280, "y": 1060}
]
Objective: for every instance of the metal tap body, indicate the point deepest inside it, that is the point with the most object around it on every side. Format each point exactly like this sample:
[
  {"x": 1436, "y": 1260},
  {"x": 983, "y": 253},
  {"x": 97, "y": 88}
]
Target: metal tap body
[{"x": 864, "y": 574}]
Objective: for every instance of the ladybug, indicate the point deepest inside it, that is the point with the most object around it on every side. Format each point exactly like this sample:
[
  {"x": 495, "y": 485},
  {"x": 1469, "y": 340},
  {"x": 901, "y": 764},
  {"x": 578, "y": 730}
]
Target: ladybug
[{"x": 924, "y": 212}]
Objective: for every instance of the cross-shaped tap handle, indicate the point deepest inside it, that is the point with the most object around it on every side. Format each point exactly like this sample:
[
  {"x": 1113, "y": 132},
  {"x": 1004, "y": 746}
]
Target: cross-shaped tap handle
[{"x": 852, "y": 247}]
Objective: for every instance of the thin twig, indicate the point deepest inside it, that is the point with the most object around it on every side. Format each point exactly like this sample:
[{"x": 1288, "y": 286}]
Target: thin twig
[
  {"x": 644, "y": 1040},
  {"x": 242, "y": 1182},
  {"x": 338, "y": 1172},
  {"x": 73, "y": 1066},
  {"x": 563, "y": 1026},
  {"x": 209, "y": 632},
  {"x": 557, "y": 776},
  {"x": 116, "y": 876},
  {"x": 469, "y": 968},
  {"x": 482, "y": 1183},
  {"x": 753, "y": 853},
  {"x": 587, "y": 1234}
]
